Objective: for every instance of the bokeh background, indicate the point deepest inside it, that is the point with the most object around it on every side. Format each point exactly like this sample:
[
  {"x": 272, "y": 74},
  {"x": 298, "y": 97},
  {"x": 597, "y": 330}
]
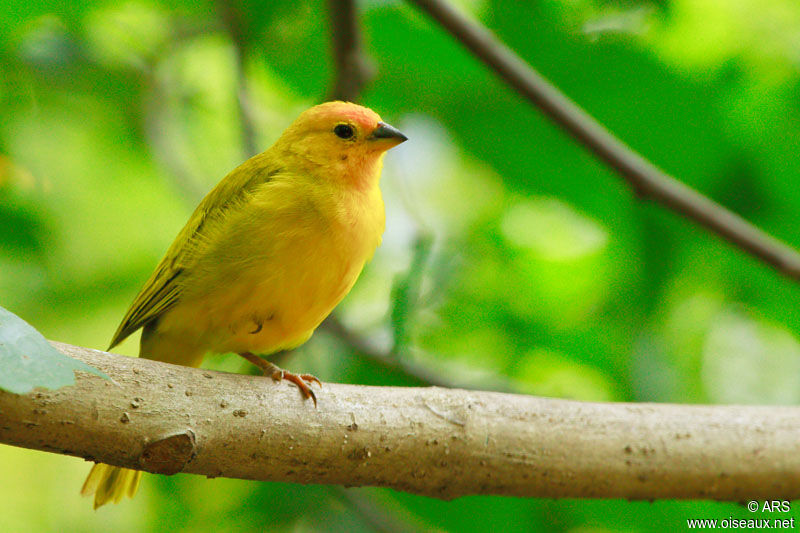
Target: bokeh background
[{"x": 512, "y": 259}]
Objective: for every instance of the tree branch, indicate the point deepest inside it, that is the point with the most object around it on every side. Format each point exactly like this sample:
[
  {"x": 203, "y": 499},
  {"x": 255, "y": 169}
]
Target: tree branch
[
  {"x": 644, "y": 177},
  {"x": 158, "y": 137},
  {"x": 232, "y": 19},
  {"x": 387, "y": 360},
  {"x": 442, "y": 443},
  {"x": 393, "y": 361},
  {"x": 353, "y": 70}
]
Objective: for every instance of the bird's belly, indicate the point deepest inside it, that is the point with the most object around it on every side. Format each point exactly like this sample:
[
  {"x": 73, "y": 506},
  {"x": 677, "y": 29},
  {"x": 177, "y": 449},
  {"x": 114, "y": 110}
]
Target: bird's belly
[
  {"x": 267, "y": 309},
  {"x": 277, "y": 276},
  {"x": 279, "y": 316}
]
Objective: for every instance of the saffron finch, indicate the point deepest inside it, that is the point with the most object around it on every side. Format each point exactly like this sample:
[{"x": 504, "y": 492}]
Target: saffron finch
[{"x": 266, "y": 256}]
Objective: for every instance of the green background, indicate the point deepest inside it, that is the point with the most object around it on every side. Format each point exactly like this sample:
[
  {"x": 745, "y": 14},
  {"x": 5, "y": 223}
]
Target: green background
[{"x": 512, "y": 259}]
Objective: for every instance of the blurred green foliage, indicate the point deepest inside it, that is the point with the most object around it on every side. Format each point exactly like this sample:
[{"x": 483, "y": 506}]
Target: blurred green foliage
[{"x": 510, "y": 252}]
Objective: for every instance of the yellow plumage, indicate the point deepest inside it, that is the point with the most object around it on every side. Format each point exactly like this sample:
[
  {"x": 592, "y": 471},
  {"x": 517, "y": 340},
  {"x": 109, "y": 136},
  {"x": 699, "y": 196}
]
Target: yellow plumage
[
  {"x": 110, "y": 484},
  {"x": 267, "y": 255}
]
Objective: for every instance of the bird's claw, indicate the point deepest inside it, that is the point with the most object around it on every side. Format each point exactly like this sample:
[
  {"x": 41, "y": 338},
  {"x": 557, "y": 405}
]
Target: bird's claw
[
  {"x": 278, "y": 374},
  {"x": 301, "y": 380},
  {"x": 311, "y": 378}
]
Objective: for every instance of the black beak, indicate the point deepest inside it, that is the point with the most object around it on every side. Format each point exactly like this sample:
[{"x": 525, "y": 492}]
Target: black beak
[{"x": 385, "y": 131}]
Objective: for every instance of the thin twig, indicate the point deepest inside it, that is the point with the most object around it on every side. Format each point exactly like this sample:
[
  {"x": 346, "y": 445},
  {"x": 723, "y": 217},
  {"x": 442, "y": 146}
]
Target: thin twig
[
  {"x": 644, "y": 177},
  {"x": 353, "y": 70},
  {"x": 420, "y": 374},
  {"x": 232, "y": 20},
  {"x": 158, "y": 134},
  {"x": 443, "y": 443},
  {"x": 397, "y": 363},
  {"x": 373, "y": 514}
]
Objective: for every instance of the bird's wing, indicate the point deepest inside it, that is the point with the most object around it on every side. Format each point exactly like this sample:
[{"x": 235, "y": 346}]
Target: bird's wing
[{"x": 164, "y": 287}]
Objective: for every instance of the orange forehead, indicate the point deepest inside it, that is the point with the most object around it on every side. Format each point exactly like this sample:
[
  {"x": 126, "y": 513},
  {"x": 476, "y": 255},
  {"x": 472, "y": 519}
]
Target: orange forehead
[{"x": 333, "y": 112}]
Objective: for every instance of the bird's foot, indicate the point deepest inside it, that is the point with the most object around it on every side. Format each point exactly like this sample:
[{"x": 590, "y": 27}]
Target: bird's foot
[
  {"x": 301, "y": 380},
  {"x": 278, "y": 374}
]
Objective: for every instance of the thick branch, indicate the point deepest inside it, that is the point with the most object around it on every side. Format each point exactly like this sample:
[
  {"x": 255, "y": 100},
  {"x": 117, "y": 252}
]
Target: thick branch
[
  {"x": 442, "y": 443},
  {"x": 646, "y": 179}
]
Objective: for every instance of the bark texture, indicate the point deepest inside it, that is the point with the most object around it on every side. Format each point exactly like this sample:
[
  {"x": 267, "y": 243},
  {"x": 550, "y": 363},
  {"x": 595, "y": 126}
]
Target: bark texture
[{"x": 439, "y": 442}]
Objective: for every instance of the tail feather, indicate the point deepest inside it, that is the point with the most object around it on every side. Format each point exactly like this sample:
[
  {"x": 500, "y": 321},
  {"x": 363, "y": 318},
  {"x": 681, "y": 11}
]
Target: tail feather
[{"x": 110, "y": 484}]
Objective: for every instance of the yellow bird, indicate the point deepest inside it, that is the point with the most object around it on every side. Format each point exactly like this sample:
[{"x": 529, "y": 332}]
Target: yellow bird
[{"x": 266, "y": 256}]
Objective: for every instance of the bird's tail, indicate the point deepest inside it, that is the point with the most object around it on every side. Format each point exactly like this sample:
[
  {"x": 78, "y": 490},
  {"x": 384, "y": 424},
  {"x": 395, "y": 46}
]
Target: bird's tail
[{"x": 110, "y": 483}]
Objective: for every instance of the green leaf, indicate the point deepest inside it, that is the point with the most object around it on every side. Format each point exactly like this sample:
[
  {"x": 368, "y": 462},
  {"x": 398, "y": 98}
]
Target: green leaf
[{"x": 28, "y": 361}]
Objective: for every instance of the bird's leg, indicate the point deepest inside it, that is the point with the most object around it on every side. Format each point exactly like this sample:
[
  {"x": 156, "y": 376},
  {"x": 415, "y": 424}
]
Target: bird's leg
[{"x": 278, "y": 374}]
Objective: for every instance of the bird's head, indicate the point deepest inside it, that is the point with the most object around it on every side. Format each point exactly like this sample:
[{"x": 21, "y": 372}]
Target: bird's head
[{"x": 345, "y": 139}]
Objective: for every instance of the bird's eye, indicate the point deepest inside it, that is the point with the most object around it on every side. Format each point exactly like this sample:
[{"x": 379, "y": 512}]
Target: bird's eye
[{"x": 344, "y": 131}]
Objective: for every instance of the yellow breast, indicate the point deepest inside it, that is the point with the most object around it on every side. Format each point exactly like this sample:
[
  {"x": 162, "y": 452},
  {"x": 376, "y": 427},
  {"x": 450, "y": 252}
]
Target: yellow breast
[{"x": 283, "y": 262}]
